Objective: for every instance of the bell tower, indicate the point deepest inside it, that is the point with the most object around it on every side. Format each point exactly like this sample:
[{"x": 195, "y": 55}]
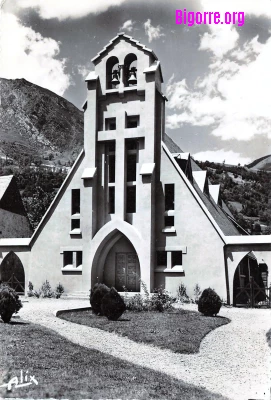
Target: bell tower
[{"x": 124, "y": 125}]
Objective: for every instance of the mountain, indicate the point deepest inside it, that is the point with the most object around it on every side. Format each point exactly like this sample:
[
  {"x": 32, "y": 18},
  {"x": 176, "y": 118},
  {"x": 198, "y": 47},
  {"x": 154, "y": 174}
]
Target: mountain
[
  {"x": 37, "y": 125},
  {"x": 263, "y": 164}
]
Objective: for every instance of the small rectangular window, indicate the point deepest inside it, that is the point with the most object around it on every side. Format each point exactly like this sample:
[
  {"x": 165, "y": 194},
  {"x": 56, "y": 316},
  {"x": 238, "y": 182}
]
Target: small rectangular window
[
  {"x": 111, "y": 200},
  {"x": 177, "y": 258},
  {"x": 75, "y": 224},
  {"x": 75, "y": 201},
  {"x": 72, "y": 259},
  {"x": 132, "y": 121},
  {"x": 110, "y": 124},
  {"x": 169, "y": 221},
  {"x": 131, "y": 199},
  {"x": 169, "y": 197},
  {"x": 161, "y": 258}
]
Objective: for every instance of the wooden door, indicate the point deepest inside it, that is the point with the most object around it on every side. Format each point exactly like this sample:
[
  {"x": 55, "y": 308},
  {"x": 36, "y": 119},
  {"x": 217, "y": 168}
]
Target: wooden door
[{"x": 126, "y": 267}]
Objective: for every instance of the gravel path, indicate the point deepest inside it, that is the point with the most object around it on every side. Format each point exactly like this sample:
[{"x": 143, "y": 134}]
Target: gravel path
[{"x": 234, "y": 360}]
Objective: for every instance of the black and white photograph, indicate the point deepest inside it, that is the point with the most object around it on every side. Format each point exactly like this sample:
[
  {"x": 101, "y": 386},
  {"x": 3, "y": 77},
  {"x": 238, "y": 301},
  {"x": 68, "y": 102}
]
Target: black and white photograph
[{"x": 135, "y": 199}]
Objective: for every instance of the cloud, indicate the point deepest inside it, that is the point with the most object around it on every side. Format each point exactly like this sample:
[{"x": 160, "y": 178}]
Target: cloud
[
  {"x": 222, "y": 38},
  {"x": 84, "y": 70},
  {"x": 256, "y": 8},
  {"x": 127, "y": 26},
  {"x": 230, "y": 157},
  {"x": 27, "y": 54},
  {"x": 151, "y": 31},
  {"x": 233, "y": 98},
  {"x": 220, "y": 41},
  {"x": 69, "y": 8}
]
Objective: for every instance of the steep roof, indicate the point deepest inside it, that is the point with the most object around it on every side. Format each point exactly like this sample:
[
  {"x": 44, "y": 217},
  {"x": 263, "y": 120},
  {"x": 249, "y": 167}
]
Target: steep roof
[
  {"x": 128, "y": 38},
  {"x": 225, "y": 224},
  {"x": 217, "y": 213},
  {"x": 171, "y": 145},
  {"x": 174, "y": 148}
]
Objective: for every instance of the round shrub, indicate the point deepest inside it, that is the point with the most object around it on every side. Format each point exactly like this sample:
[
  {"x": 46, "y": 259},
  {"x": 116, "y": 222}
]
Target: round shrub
[
  {"x": 113, "y": 305},
  {"x": 9, "y": 302},
  {"x": 96, "y": 295},
  {"x": 209, "y": 303}
]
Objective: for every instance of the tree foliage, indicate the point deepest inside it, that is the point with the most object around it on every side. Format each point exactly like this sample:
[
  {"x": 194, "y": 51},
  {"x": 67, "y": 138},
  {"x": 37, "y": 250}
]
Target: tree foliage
[{"x": 251, "y": 189}]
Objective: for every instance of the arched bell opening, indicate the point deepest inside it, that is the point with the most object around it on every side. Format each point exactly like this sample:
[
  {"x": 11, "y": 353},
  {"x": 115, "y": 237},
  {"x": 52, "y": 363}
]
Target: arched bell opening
[
  {"x": 130, "y": 70},
  {"x": 12, "y": 272},
  {"x": 112, "y": 73},
  {"x": 248, "y": 284}
]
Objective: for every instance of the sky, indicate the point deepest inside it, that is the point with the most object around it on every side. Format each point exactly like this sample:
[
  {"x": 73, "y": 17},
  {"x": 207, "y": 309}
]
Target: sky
[{"x": 216, "y": 76}]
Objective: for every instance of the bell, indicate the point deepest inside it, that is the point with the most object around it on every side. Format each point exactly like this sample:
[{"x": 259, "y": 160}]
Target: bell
[
  {"x": 132, "y": 80},
  {"x": 115, "y": 80}
]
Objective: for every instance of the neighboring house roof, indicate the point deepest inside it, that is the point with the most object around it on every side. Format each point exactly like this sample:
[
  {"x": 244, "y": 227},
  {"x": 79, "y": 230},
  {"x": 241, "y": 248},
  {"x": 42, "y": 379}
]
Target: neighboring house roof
[
  {"x": 128, "y": 39},
  {"x": 14, "y": 219},
  {"x": 4, "y": 184}
]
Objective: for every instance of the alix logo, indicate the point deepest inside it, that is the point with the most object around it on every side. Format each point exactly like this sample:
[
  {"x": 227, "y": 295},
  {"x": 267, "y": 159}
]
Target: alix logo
[{"x": 20, "y": 382}]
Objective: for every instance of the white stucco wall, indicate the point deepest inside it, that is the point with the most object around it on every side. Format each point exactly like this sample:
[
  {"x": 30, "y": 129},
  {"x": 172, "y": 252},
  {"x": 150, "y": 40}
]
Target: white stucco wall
[{"x": 203, "y": 263}]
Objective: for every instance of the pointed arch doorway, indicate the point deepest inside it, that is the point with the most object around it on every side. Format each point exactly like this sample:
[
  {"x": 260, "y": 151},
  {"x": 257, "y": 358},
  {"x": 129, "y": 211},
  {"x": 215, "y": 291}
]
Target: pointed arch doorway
[
  {"x": 117, "y": 264},
  {"x": 12, "y": 272}
]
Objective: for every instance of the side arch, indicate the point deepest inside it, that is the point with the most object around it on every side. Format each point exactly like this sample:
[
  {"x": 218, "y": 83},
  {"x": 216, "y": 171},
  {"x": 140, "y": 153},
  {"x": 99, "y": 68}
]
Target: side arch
[
  {"x": 12, "y": 272},
  {"x": 247, "y": 269}
]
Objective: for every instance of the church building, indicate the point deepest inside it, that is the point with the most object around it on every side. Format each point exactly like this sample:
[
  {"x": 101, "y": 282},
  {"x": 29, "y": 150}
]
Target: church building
[{"x": 134, "y": 206}]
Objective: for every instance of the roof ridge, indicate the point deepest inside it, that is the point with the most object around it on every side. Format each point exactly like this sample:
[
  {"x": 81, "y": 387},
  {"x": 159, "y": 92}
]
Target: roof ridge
[{"x": 130, "y": 38}]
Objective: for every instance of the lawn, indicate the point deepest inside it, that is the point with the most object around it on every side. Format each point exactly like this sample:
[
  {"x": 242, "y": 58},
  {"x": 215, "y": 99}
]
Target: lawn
[
  {"x": 180, "y": 330},
  {"x": 65, "y": 370}
]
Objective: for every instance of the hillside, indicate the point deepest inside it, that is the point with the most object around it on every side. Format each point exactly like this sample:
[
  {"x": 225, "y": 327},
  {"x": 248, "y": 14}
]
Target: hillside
[
  {"x": 246, "y": 192},
  {"x": 263, "y": 164},
  {"x": 37, "y": 125}
]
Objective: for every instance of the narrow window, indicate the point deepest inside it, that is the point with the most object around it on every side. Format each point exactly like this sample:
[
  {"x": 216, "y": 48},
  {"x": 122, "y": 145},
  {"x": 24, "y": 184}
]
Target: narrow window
[
  {"x": 75, "y": 201},
  {"x": 111, "y": 175},
  {"x": 112, "y": 168},
  {"x": 132, "y": 121},
  {"x": 169, "y": 221},
  {"x": 177, "y": 258},
  {"x": 131, "y": 167},
  {"x": 169, "y": 197},
  {"x": 110, "y": 124},
  {"x": 131, "y": 199},
  {"x": 161, "y": 258},
  {"x": 111, "y": 200},
  {"x": 79, "y": 258}
]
